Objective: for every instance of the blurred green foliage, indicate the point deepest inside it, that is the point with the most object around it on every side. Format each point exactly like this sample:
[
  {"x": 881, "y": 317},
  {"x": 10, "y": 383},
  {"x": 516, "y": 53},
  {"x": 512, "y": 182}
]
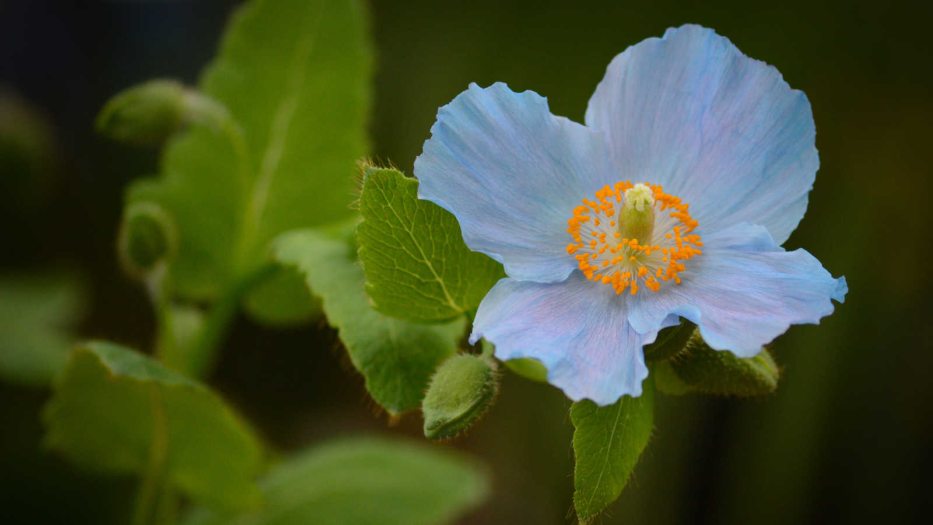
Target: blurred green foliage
[
  {"x": 37, "y": 314},
  {"x": 117, "y": 410},
  {"x": 294, "y": 76},
  {"x": 845, "y": 438},
  {"x": 27, "y": 155},
  {"x": 363, "y": 481}
]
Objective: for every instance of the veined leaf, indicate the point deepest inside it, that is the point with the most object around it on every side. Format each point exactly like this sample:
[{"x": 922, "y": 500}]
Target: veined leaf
[
  {"x": 36, "y": 313},
  {"x": 117, "y": 410},
  {"x": 294, "y": 75},
  {"x": 363, "y": 482},
  {"x": 417, "y": 266},
  {"x": 607, "y": 442},
  {"x": 395, "y": 357}
]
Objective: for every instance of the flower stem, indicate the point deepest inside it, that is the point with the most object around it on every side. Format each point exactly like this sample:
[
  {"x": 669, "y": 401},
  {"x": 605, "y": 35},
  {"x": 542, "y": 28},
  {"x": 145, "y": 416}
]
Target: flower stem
[
  {"x": 218, "y": 321},
  {"x": 156, "y": 500}
]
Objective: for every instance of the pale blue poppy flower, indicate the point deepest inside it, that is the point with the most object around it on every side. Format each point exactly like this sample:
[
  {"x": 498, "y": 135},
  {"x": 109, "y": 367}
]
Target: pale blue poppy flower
[{"x": 671, "y": 202}]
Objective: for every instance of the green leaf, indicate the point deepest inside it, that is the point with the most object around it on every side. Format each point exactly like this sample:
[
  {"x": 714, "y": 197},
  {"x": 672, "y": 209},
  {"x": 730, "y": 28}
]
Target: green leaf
[
  {"x": 282, "y": 299},
  {"x": 363, "y": 482},
  {"x": 461, "y": 391},
  {"x": 529, "y": 368},
  {"x": 709, "y": 371},
  {"x": 395, "y": 357},
  {"x": 417, "y": 266},
  {"x": 36, "y": 315},
  {"x": 607, "y": 442},
  {"x": 294, "y": 75},
  {"x": 119, "y": 411}
]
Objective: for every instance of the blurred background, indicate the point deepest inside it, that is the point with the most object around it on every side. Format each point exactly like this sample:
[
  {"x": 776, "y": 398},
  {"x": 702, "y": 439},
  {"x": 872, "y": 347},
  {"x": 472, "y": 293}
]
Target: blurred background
[{"x": 847, "y": 439}]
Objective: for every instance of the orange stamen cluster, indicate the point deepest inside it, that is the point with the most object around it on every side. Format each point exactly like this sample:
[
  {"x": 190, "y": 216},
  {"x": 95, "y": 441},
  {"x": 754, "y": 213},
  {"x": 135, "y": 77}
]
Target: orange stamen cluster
[{"x": 605, "y": 256}]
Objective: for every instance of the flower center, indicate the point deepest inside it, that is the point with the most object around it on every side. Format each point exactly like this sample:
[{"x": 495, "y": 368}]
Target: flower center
[{"x": 633, "y": 237}]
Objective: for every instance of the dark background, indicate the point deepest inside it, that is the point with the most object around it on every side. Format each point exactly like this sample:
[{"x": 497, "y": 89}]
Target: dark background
[{"x": 846, "y": 440}]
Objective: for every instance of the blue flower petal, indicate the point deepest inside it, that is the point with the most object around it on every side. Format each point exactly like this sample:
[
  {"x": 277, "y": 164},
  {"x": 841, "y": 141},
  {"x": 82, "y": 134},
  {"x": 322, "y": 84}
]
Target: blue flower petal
[
  {"x": 577, "y": 329},
  {"x": 720, "y": 130},
  {"x": 744, "y": 291},
  {"x": 511, "y": 172}
]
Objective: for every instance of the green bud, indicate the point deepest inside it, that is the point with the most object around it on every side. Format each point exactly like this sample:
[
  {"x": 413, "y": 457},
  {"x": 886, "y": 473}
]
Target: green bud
[
  {"x": 461, "y": 391},
  {"x": 144, "y": 114},
  {"x": 147, "y": 236},
  {"x": 636, "y": 220},
  {"x": 702, "y": 369},
  {"x": 150, "y": 112}
]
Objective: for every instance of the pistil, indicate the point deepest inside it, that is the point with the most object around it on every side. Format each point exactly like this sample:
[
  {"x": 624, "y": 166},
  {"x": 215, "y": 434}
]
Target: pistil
[{"x": 636, "y": 220}]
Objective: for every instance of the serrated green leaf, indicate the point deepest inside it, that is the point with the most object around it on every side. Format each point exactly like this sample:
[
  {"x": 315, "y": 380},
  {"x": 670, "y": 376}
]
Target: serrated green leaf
[
  {"x": 709, "y": 371},
  {"x": 115, "y": 410},
  {"x": 294, "y": 75},
  {"x": 417, "y": 266},
  {"x": 36, "y": 316},
  {"x": 395, "y": 357},
  {"x": 363, "y": 482},
  {"x": 607, "y": 442}
]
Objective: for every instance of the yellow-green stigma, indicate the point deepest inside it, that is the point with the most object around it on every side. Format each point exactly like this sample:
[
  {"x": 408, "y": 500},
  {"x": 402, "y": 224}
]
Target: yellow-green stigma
[{"x": 636, "y": 220}]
